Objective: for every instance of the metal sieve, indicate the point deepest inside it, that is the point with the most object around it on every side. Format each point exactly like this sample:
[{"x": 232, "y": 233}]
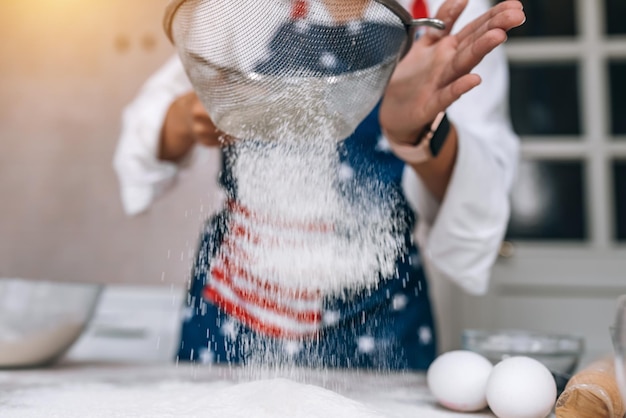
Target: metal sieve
[{"x": 275, "y": 69}]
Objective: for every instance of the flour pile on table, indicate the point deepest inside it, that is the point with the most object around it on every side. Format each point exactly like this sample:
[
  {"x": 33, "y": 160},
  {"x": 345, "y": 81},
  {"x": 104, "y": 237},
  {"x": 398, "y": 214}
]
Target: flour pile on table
[
  {"x": 260, "y": 399},
  {"x": 286, "y": 398}
]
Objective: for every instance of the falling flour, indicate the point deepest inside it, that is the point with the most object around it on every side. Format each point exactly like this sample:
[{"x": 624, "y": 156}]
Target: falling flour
[
  {"x": 309, "y": 227},
  {"x": 301, "y": 227}
]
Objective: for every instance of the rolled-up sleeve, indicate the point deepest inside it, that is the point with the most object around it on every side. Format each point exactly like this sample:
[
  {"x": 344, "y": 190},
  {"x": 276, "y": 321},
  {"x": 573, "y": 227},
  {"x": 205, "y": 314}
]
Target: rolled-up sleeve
[
  {"x": 460, "y": 236},
  {"x": 142, "y": 176}
]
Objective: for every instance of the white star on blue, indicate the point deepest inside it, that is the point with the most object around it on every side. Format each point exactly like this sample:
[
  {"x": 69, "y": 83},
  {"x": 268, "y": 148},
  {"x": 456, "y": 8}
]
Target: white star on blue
[
  {"x": 328, "y": 60},
  {"x": 354, "y": 27},
  {"x": 188, "y": 313},
  {"x": 292, "y": 347},
  {"x": 425, "y": 335},
  {"x": 383, "y": 145},
  {"x": 366, "y": 344},
  {"x": 399, "y": 302},
  {"x": 345, "y": 172},
  {"x": 331, "y": 317},
  {"x": 229, "y": 329},
  {"x": 206, "y": 356}
]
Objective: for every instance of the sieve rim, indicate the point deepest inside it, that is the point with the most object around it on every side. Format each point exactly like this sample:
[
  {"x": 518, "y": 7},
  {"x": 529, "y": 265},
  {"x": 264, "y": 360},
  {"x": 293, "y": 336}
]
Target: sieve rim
[
  {"x": 393, "y": 6},
  {"x": 168, "y": 19},
  {"x": 397, "y": 9}
]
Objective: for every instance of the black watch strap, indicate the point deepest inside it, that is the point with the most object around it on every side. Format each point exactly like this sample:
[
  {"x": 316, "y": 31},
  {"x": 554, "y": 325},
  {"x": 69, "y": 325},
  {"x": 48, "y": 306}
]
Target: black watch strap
[
  {"x": 439, "y": 136},
  {"x": 428, "y": 144}
]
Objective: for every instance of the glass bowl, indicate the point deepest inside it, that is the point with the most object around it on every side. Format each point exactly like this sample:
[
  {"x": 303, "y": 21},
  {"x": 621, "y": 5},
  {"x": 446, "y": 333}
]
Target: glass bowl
[
  {"x": 559, "y": 353},
  {"x": 40, "y": 320}
]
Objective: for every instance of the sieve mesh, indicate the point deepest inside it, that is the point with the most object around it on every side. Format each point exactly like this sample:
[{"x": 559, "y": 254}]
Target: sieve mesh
[{"x": 272, "y": 69}]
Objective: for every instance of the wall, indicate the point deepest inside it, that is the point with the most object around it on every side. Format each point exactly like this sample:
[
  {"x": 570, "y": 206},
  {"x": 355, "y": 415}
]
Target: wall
[{"x": 68, "y": 68}]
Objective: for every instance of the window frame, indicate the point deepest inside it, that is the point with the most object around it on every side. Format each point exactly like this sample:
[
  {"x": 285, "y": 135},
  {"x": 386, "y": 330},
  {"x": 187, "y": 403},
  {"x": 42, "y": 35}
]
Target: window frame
[{"x": 601, "y": 255}]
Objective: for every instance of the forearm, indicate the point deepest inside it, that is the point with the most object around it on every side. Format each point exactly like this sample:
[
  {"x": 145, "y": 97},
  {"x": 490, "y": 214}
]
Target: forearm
[{"x": 176, "y": 140}]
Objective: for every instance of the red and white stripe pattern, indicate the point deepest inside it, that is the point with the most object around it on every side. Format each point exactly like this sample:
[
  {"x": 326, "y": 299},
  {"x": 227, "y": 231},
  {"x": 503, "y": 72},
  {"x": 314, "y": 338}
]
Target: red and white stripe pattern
[{"x": 262, "y": 303}]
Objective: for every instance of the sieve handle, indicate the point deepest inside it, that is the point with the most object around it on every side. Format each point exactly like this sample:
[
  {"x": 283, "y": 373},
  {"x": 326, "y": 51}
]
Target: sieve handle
[
  {"x": 430, "y": 22},
  {"x": 412, "y": 26}
]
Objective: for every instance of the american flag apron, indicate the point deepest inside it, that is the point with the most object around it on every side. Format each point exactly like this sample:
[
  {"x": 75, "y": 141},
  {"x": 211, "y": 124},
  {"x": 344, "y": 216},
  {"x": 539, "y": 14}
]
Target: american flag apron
[{"x": 233, "y": 315}]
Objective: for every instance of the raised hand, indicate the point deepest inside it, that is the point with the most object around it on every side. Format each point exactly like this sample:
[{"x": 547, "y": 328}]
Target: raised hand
[{"x": 437, "y": 69}]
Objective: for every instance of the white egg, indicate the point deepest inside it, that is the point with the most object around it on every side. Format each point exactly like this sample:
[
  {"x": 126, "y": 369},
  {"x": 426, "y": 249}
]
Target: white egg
[
  {"x": 458, "y": 380},
  {"x": 521, "y": 387}
]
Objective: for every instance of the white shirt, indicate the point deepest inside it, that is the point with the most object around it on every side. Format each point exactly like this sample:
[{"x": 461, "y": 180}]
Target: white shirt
[{"x": 459, "y": 237}]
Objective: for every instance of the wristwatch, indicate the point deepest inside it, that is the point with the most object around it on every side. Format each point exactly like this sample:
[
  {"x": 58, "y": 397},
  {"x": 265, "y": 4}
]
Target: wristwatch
[{"x": 428, "y": 144}]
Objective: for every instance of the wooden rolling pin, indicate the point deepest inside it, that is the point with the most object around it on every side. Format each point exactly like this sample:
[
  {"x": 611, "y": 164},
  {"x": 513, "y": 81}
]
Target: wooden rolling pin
[{"x": 592, "y": 393}]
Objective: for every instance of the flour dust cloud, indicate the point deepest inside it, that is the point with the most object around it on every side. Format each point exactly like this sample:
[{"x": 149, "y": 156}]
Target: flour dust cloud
[{"x": 305, "y": 234}]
